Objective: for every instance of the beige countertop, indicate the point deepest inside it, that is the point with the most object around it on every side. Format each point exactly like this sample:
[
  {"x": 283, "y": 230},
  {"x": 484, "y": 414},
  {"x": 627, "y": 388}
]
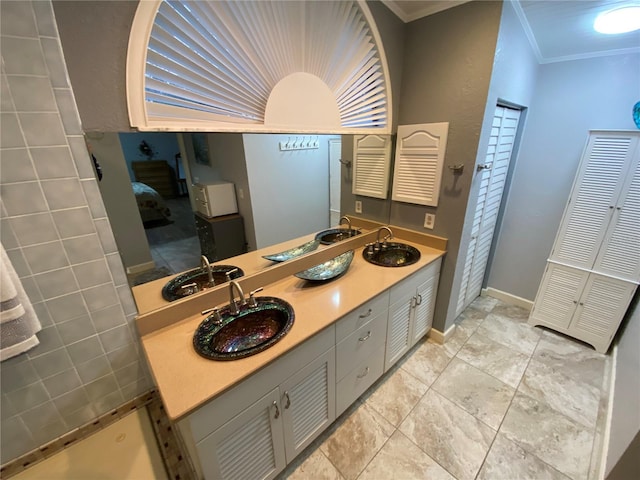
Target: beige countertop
[{"x": 186, "y": 380}]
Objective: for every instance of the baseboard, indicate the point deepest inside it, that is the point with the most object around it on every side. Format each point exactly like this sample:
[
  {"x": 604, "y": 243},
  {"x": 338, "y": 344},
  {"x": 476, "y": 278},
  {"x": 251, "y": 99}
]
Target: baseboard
[
  {"x": 607, "y": 428},
  {"x": 508, "y": 298},
  {"x": 439, "y": 337},
  {"x": 141, "y": 267}
]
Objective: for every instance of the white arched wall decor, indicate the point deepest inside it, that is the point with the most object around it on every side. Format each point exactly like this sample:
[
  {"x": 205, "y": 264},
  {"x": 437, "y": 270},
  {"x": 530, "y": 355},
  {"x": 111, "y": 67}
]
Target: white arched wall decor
[{"x": 257, "y": 66}]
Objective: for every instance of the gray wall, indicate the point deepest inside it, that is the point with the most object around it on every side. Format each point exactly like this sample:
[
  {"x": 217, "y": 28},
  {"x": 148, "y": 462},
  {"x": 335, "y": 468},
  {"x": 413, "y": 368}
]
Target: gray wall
[
  {"x": 289, "y": 190},
  {"x": 625, "y": 414},
  {"x": 119, "y": 200},
  {"x": 95, "y": 36},
  {"x": 447, "y": 68},
  {"x": 515, "y": 71},
  {"x": 570, "y": 98},
  {"x": 54, "y": 227}
]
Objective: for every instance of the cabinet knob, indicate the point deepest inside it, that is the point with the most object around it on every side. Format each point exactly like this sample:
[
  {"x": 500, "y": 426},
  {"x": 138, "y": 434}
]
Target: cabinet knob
[
  {"x": 582, "y": 304},
  {"x": 575, "y": 302},
  {"x": 364, "y": 373},
  {"x": 275, "y": 404},
  {"x": 288, "y": 404}
]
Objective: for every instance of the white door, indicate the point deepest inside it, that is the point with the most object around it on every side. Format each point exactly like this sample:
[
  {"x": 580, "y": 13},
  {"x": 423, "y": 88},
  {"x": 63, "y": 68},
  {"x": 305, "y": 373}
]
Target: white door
[
  {"x": 335, "y": 152},
  {"x": 492, "y": 177}
]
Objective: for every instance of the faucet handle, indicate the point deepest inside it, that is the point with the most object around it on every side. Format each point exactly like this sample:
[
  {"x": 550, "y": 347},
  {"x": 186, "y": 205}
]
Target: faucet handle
[
  {"x": 252, "y": 300},
  {"x": 190, "y": 288},
  {"x": 229, "y": 272},
  {"x": 217, "y": 318}
]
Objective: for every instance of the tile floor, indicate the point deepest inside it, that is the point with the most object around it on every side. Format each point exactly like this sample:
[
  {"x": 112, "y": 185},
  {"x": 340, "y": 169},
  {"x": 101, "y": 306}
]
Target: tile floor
[{"x": 499, "y": 401}]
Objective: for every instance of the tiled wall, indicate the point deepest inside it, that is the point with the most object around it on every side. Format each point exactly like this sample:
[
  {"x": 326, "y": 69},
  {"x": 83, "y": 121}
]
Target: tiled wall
[{"x": 55, "y": 230}]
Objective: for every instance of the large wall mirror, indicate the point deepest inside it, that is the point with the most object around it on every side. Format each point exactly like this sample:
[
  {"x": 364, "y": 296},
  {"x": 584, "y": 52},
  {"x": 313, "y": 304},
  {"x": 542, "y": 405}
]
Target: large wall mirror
[{"x": 285, "y": 186}]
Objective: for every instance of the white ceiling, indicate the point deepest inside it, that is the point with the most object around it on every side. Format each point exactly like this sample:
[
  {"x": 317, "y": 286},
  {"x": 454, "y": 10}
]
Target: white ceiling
[{"x": 558, "y": 30}]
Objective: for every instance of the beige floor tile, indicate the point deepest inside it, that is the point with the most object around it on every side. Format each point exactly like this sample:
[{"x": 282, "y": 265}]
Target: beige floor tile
[
  {"x": 553, "y": 438},
  {"x": 352, "y": 446},
  {"x": 506, "y": 460},
  {"x": 126, "y": 449},
  {"x": 460, "y": 336},
  {"x": 316, "y": 467},
  {"x": 395, "y": 398},
  {"x": 499, "y": 361},
  {"x": 514, "y": 312},
  {"x": 485, "y": 303},
  {"x": 518, "y": 336},
  {"x": 568, "y": 395},
  {"x": 427, "y": 362},
  {"x": 478, "y": 393},
  {"x": 402, "y": 459},
  {"x": 452, "y": 437}
]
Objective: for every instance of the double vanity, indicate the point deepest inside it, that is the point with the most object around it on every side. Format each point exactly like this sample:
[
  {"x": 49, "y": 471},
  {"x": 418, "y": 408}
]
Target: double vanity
[{"x": 249, "y": 417}]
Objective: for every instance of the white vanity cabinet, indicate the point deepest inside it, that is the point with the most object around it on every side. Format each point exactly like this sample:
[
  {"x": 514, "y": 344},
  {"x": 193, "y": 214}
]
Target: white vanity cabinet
[
  {"x": 234, "y": 436},
  {"x": 410, "y": 311}
]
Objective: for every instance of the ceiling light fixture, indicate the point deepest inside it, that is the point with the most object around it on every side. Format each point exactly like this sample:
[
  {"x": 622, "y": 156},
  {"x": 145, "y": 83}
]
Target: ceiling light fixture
[{"x": 619, "y": 20}]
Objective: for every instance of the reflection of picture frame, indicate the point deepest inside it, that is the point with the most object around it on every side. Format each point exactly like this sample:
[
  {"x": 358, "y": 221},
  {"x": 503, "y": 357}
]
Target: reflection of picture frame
[{"x": 200, "y": 148}]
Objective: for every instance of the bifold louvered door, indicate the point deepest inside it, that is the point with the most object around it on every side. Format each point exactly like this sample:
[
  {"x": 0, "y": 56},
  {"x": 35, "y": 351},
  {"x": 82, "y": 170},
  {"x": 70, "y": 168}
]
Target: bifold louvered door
[
  {"x": 420, "y": 151},
  {"x": 594, "y": 268},
  {"x": 492, "y": 177},
  {"x": 308, "y": 403},
  {"x": 371, "y": 164},
  {"x": 249, "y": 446}
]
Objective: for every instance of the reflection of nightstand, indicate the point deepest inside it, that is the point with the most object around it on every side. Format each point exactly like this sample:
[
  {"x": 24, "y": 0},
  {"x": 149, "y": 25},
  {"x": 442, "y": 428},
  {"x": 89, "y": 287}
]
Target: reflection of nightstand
[{"x": 220, "y": 237}]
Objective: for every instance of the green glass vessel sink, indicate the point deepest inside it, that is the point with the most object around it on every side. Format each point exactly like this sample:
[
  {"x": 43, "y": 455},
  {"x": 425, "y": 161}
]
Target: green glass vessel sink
[
  {"x": 333, "y": 235},
  {"x": 391, "y": 254},
  {"x": 182, "y": 285},
  {"x": 253, "y": 329}
]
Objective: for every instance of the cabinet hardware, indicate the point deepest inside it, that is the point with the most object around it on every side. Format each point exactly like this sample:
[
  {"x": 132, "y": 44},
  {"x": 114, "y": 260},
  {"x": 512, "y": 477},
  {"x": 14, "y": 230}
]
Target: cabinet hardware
[
  {"x": 275, "y": 404},
  {"x": 582, "y": 304},
  {"x": 288, "y": 404},
  {"x": 485, "y": 166},
  {"x": 575, "y": 302},
  {"x": 366, "y": 337},
  {"x": 419, "y": 300},
  {"x": 365, "y": 315},
  {"x": 364, "y": 373}
]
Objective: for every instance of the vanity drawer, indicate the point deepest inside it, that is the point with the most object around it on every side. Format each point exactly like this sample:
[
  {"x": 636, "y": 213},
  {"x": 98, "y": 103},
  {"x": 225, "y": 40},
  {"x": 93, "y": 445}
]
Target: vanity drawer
[
  {"x": 361, "y": 315},
  {"x": 360, "y": 344},
  {"x": 359, "y": 379}
]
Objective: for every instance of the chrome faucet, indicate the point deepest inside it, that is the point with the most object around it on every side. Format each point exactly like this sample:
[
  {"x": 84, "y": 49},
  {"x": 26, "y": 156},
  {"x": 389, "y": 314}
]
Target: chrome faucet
[
  {"x": 387, "y": 237},
  {"x": 233, "y": 305},
  {"x": 205, "y": 265},
  {"x": 345, "y": 219}
]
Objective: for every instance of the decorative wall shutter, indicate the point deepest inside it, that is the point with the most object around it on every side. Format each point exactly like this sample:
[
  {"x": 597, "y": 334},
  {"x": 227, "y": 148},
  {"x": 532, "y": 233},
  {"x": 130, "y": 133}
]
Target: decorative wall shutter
[
  {"x": 420, "y": 151},
  {"x": 222, "y": 65},
  {"x": 371, "y": 164}
]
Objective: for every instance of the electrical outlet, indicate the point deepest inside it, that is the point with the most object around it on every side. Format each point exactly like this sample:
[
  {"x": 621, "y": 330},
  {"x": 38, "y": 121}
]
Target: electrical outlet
[
  {"x": 358, "y": 206},
  {"x": 429, "y": 220}
]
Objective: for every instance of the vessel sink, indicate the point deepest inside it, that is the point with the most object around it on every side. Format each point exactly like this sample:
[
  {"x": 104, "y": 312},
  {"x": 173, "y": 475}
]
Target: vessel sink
[
  {"x": 255, "y": 328},
  {"x": 334, "y": 235},
  {"x": 391, "y": 254},
  {"x": 178, "y": 287}
]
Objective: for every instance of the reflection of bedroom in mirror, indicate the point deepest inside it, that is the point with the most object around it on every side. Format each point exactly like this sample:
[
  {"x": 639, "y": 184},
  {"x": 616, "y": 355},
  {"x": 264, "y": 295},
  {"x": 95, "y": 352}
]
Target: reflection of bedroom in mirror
[{"x": 164, "y": 198}]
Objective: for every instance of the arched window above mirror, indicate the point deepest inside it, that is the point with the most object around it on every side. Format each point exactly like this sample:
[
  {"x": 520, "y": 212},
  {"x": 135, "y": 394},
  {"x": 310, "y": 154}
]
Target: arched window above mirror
[{"x": 257, "y": 66}]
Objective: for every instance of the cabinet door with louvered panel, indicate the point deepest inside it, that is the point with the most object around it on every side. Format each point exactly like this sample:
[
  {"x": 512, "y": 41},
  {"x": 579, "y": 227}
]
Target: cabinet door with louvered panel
[
  {"x": 605, "y": 162},
  {"x": 558, "y": 296},
  {"x": 620, "y": 252},
  {"x": 399, "y": 328},
  {"x": 600, "y": 310},
  {"x": 308, "y": 403},
  {"x": 249, "y": 446},
  {"x": 371, "y": 165},
  {"x": 425, "y": 304}
]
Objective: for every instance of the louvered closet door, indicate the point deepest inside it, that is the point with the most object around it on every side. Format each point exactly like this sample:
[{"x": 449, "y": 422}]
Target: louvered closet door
[
  {"x": 371, "y": 164},
  {"x": 492, "y": 184},
  {"x": 593, "y": 199},
  {"x": 620, "y": 251},
  {"x": 558, "y": 296},
  {"x": 308, "y": 401},
  {"x": 250, "y": 446},
  {"x": 600, "y": 310}
]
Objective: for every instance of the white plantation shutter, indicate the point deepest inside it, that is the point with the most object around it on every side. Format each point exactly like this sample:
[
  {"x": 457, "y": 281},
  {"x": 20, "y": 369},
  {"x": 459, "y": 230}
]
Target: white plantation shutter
[
  {"x": 420, "y": 151},
  {"x": 371, "y": 163},
  {"x": 218, "y": 62}
]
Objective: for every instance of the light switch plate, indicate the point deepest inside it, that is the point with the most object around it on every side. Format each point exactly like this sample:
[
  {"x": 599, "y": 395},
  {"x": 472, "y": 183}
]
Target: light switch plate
[
  {"x": 358, "y": 206},
  {"x": 429, "y": 220}
]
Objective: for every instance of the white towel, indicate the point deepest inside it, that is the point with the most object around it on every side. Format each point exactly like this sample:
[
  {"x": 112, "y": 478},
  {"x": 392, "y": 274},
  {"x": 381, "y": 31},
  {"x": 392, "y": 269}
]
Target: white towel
[{"x": 18, "y": 321}]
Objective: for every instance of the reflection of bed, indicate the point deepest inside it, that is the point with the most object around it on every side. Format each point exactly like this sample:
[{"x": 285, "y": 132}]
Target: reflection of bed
[{"x": 151, "y": 205}]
